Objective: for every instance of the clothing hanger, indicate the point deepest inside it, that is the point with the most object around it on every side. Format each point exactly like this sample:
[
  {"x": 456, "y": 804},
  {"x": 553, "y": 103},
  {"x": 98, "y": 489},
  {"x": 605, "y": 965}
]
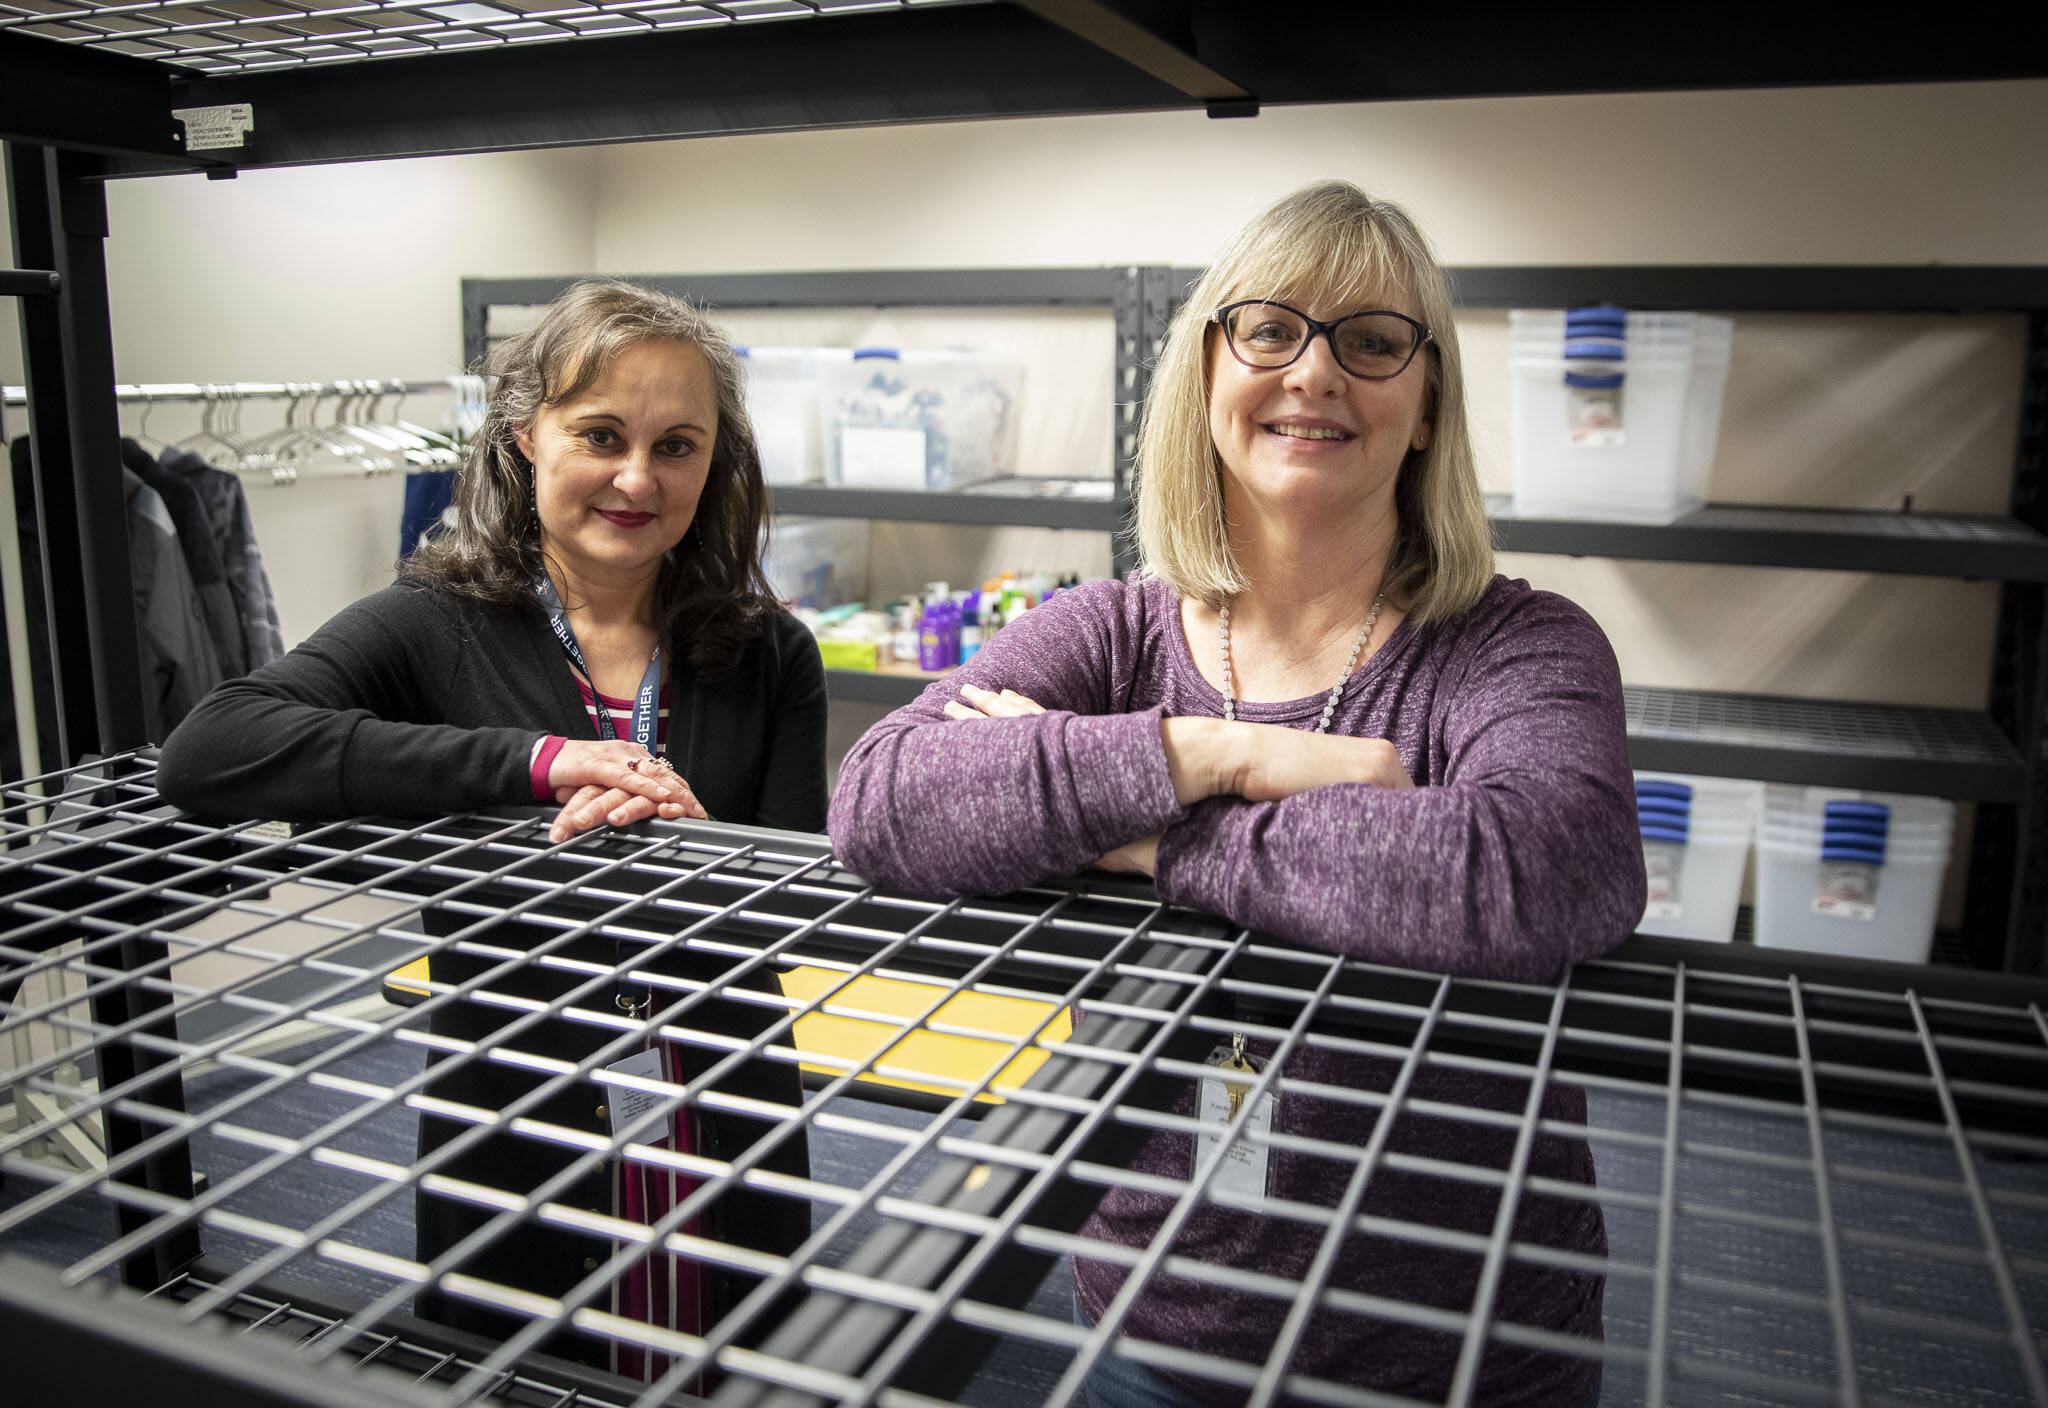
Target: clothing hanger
[
  {"x": 142, "y": 434},
  {"x": 440, "y": 452}
]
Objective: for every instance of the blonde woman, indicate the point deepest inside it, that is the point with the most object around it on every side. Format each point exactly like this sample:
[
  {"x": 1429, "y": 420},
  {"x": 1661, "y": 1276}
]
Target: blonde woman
[{"x": 1318, "y": 712}]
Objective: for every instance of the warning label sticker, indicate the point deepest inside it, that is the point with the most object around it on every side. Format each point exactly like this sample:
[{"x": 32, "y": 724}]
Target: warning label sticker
[{"x": 210, "y": 129}]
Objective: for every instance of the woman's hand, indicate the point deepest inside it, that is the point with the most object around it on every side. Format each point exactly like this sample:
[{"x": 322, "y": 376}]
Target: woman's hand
[
  {"x": 1268, "y": 762},
  {"x": 1275, "y": 762},
  {"x": 598, "y": 785},
  {"x": 1140, "y": 857},
  {"x": 987, "y": 704}
]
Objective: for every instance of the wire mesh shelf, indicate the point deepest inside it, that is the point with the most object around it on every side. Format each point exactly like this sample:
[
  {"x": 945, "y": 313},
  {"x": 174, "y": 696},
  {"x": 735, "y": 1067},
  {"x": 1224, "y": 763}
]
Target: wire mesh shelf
[
  {"x": 1819, "y": 1183},
  {"x": 246, "y": 36}
]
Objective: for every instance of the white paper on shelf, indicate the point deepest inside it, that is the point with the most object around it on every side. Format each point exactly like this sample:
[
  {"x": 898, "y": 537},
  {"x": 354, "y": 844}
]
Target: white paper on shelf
[{"x": 874, "y": 457}]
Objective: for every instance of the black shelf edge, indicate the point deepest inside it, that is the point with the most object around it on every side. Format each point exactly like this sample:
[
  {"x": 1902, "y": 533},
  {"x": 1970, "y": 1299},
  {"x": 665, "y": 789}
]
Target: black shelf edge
[
  {"x": 1983, "y": 548},
  {"x": 1738, "y": 288},
  {"x": 936, "y": 64},
  {"x": 984, "y": 509},
  {"x": 847, "y": 288},
  {"x": 1955, "y": 753},
  {"x": 872, "y": 687},
  {"x": 1832, "y": 288}
]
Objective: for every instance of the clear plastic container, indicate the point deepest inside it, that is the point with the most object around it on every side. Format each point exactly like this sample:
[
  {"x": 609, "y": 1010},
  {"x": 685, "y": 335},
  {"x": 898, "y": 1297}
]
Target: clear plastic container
[
  {"x": 919, "y": 419},
  {"x": 1793, "y": 908},
  {"x": 1786, "y": 804},
  {"x": 818, "y": 562},
  {"x": 1851, "y": 873},
  {"x": 782, "y": 401},
  {"x": 1644, "y": 452},
  {"x": 1696, "y": 839}
]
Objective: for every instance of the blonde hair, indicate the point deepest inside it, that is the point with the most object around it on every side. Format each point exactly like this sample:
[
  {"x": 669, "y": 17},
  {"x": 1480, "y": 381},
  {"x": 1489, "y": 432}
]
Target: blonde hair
[{"x": 1325, "y": 245}]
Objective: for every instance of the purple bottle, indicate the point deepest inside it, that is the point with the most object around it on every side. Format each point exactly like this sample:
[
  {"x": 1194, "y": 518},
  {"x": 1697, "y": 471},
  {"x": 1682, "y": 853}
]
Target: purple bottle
[{"x": 931, "y": 638}]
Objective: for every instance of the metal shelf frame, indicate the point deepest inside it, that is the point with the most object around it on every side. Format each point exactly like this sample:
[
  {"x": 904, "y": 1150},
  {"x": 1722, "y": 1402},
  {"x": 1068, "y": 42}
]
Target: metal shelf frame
[
  {"x": 1974, "y": 547},
  {"x": 75, "y": 112},
  {"x": 1823, "y": 1180},
  {"x": 1120, "y": 290},
  {"x": 2008, "y": 887},
  {"x": 328, "y": 82}
]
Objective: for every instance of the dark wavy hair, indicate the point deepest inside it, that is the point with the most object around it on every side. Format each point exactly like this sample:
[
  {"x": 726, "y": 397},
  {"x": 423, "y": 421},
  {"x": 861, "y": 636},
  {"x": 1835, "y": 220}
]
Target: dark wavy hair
[{"x": 711, "y": 594}]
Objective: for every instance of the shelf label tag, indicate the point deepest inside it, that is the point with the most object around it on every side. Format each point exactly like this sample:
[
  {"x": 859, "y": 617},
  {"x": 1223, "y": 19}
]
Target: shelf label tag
[
  {"x": 212, "y": 129},
  {"x": 875, "y": 457},
  {"x": 1594, "y": 418},
  {"x": 1848, "y": 890},
  {"x": 1663, "y": 863}
]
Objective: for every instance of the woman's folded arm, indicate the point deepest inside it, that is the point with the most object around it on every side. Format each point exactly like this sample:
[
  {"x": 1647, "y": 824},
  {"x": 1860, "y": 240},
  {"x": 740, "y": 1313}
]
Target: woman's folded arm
[
  {"x": 1523, "y": 859},
  {"x": 945, "y": 806},
  {"x": 325, "y": 731}
]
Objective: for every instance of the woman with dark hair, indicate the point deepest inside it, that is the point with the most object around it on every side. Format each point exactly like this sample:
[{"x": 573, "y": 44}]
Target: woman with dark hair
[
  {"x": 594, "y": 632},
  {"x": 606, "y": 548}
]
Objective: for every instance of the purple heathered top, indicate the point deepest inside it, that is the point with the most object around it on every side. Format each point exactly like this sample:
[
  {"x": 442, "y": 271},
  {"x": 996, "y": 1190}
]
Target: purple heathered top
[{"x": 1516, "y": 855}]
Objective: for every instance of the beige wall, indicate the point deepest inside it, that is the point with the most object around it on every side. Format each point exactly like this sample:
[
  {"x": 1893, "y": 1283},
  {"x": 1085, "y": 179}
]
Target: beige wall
[
  {"x": 1848, "y": 175},
  {"x": 320, "y": 274},
  {"x": 1858, "y": 411}
]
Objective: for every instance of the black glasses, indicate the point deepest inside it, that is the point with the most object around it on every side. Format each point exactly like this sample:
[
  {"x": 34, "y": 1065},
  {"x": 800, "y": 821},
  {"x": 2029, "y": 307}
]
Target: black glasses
[{"x": 1372, "y": 346}]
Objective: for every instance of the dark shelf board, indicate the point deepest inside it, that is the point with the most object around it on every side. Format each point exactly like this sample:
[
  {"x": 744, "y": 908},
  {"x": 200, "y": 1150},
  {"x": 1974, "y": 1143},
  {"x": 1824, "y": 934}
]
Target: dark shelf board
[
  {"x": 1740, "y": 288},
  {"x": 843, "y": 288},
  {"x": 1954, "y": 753},
  {"x": 1840, "y": 540},
  {"x": 1783, "y": 288},
  {"x": 984, "y": 506},
  {"x": 873, "y": 687},
  {"x": 933, "y": 63}
]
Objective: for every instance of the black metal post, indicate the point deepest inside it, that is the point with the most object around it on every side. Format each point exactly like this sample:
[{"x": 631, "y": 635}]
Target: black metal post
[
  {"x": 142, "y": 1058},
  {"x": 1133, "y": 374},
  {"x": 2008, "y": 887},
  {"x": 60, "y": 223}
]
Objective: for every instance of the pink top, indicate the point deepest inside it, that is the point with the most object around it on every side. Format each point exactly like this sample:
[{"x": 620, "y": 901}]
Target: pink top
[{"x": 621, "y": 711}]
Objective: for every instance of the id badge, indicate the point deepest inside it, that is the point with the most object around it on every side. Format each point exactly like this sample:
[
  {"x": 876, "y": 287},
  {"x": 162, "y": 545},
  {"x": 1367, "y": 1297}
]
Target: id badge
[
  {"x": 1243, "y": 1178},
  {"x": 625, "y": 1103}
]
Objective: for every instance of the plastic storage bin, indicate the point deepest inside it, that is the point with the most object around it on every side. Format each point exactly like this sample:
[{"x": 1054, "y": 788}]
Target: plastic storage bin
[
  {"x": 1696, "y": 838},
  {"x": 1852, "y": 873},
  {"x": 920, "y": 419},
  {"x": 818, "y": 562},
  {"x": 783, "y": 390},
  {"x": 1615, "y": 415}
]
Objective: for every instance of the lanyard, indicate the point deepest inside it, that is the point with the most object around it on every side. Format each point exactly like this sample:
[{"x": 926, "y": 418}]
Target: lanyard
[{"x": 646, "y": 704}]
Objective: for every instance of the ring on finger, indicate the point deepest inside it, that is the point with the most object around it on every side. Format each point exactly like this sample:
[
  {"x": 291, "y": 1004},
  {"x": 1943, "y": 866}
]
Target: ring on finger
[{"x": 657, "y": 769}]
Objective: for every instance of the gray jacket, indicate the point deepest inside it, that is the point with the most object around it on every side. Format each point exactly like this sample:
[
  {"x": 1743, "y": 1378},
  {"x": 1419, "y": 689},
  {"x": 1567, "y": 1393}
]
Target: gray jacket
[
  {"x": 179, "y": 662},
  {"x": 234, "y": 534}
]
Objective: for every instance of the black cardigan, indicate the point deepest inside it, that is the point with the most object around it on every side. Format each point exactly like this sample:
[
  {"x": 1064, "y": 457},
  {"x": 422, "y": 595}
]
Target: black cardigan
[{"x": 416, "y": 702}]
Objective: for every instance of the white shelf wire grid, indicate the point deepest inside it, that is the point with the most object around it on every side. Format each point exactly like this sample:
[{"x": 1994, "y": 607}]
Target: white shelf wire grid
[
  {"x": 1826, "y": 1186},
  {"x": 248, "y": 36}
]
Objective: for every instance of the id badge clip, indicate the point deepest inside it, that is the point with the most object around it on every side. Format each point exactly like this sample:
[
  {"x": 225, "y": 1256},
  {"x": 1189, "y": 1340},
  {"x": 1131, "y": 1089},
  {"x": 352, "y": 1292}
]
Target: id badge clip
[{"x": 1243, "y": 1177}]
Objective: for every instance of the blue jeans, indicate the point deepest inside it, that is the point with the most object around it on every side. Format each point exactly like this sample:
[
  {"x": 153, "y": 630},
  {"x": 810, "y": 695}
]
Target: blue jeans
[{"x": 1116, "y": 1382}]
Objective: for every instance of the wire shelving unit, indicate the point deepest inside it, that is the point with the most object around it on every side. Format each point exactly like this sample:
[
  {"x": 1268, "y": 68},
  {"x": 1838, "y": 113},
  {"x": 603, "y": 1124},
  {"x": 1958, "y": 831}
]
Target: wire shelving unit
[{"x": 1822, "y": 1182}]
